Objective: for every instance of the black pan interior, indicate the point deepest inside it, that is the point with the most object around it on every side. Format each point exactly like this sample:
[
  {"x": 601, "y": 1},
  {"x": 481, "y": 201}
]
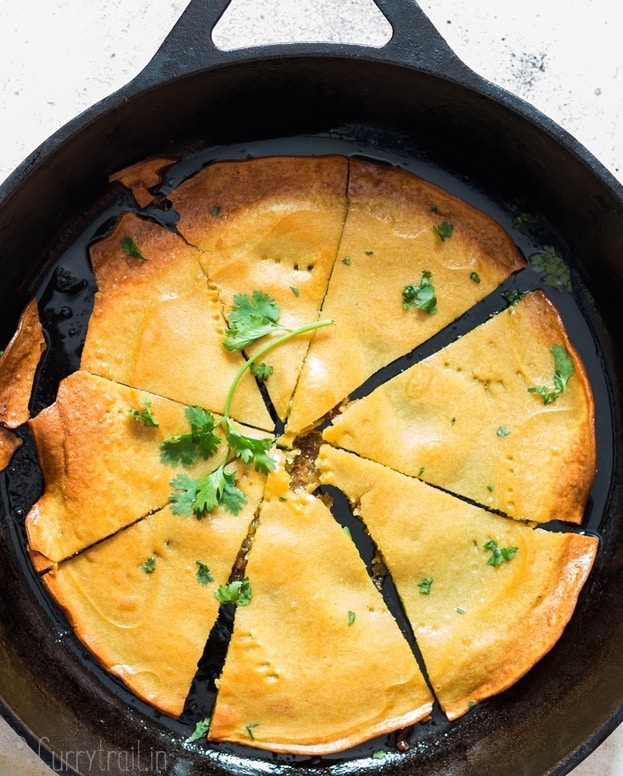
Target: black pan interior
[{"x": 486, "y": 150}]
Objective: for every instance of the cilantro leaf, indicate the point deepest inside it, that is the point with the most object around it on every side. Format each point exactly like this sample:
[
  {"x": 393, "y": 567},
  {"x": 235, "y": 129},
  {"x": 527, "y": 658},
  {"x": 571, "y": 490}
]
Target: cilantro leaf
[
  {"x": 201, "y": 496},
  {"x": 251, "y": 318},
  {"x": 557, "y": 272},
  {"x": 563, "y": 370},
  {"x": 261, "y": 371},
  {"x": 425, "y": 585},
  {"x": 204, "y": 577},
  {"x": 201, "y": 441},
  {"x": 201, "y": 729},
  {"x": 422, "y": 296},
  {"x": 183, "y": 496},
  {"x": 237, "y": 592},
  {"x": 215, "y": 489},
  {"x": 150, "y": 565},
  {"x": 130, "y": 248},
  {"x": 145, "y": 416},
  {"x": 250, "y": 450},
  {"x": 499, "y": 554},
  {"x": 443, "y": 230}
]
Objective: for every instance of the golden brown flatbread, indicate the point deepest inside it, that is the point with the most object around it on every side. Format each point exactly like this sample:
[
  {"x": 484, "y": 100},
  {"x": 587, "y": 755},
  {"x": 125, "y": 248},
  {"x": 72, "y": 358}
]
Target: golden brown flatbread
[
  {"x": 137, "y": 600},
  {"x": 101, "y": 467},
  {"x": 465, "y": 420},
  {"x": 394, "y": 232},
  {"x": 316, "y": 663},
  {"x": 271, "y": 224},
  {"x": 480, "y": 627},
  {"x": 18, "y": 366},
  {"x": 157, "y": 325}
]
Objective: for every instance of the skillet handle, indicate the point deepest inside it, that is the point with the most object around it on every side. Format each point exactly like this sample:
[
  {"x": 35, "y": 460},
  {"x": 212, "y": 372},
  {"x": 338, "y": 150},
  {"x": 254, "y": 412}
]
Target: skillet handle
[{"x": 189, "y": 47}]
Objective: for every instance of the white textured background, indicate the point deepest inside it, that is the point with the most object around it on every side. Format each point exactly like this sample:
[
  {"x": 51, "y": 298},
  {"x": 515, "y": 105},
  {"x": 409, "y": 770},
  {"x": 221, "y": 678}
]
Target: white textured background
[{"x": 58, "y": 57}]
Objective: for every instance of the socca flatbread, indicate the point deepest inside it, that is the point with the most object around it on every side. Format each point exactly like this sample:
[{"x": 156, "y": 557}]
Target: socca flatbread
[
  {"x": 157, "y": 325},
  {"x": 143, "y": 605},
  {"x": 101, "y": 467},
  {"x": 271, "y": 224},
  {"x": 316, "y": 663},
  {"x": 465, "y": 420},
  {"x": 479, "y": 627},
  {"x": 396, "y": 230},
  {"x": 18, "y": 366}
]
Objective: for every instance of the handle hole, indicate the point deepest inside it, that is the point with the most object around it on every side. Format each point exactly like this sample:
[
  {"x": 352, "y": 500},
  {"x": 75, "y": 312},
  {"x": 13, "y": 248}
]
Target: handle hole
[{"x": 248, "y": 23}]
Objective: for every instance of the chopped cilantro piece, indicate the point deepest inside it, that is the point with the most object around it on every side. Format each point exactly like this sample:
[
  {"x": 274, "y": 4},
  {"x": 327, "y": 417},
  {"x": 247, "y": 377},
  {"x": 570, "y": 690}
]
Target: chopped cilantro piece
[
  {"x": 378, "y": 754},
  {"x": 556, "y": 271},
  {"x": 422, "y": 296},
  {"x": 512, "y": 297},
  {"x": 460, "y": 610},
  {"x": 237, "y": 592},
  {"x": 145, "y": 416},
  {"x": 563, "y": 370},
  {"x": 204, "y": 576},
  {"x": 499, "y": 554},
  {"x": 261, "y": 371},
  {"x": 351, "y": 618},
  {"x": 521, "y": 220},
  {"x": 130, "y": 248},
  {"x": 249, "y": 729},
  {"x": 475, "y": 277},
  {"x": 295, "y": 290},
  {"x": 215, "y": 210},
  {"x": 201, "y": 729},
  {"x": 346, "y": 260},
  {"x": 150, "y": 565},
  {"x": 503, "y": 431},
  {"x": 443, "y": 230},
  {"x": 425, "y": 585}
]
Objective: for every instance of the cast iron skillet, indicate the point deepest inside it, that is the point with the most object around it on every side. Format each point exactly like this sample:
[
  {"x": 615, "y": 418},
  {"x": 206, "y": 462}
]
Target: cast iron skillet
[{"x": 413, "y": 102}]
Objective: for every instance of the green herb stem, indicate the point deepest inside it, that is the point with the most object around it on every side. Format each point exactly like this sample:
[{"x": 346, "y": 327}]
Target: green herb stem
[{"x": 264, "y": 350}]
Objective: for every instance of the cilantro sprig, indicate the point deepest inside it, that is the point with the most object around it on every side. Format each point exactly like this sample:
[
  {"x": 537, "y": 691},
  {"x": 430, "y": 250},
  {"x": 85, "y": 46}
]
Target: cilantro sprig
[
  {"x": 250, "y": 319},
  {"x": 563, "y": 370}
]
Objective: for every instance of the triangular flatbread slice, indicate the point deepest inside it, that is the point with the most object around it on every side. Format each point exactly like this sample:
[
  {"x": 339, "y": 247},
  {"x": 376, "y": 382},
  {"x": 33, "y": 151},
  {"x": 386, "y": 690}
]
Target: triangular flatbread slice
[
  {"x": 316, "y": 663},
  {"x": 464, "y": 419},
  {"x": 158, "y": 326},
  {"x": 18, "y": 366},
  {"x": 480, "y": 627},
  {"x": 143, "y": 601},
  {"x": 101, "y": 466},
  {"x": 270, "y": 224},
  {"x": 398, "y": 227}
]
